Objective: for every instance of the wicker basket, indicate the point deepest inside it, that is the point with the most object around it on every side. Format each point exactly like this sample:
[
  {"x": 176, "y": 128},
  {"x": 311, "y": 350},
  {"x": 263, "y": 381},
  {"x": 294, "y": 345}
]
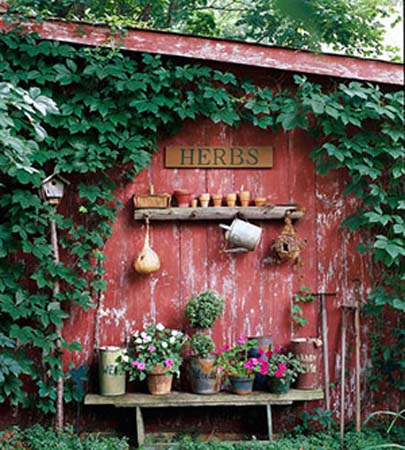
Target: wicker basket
[{"x": 152, "y": 200}]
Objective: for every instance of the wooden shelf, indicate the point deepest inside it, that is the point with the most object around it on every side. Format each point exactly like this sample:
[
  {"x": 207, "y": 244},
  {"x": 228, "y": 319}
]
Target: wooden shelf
[{"x": 219, "y": 213}]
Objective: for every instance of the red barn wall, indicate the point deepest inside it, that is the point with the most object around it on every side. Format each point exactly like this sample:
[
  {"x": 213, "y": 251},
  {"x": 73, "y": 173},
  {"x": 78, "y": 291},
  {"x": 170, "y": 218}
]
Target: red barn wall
[{"x": 257, "y": 295}]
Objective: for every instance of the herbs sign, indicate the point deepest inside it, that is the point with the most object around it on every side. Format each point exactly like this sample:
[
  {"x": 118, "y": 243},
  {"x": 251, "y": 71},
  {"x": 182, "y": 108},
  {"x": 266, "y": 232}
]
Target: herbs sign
[{"x": 238, "y": 157}]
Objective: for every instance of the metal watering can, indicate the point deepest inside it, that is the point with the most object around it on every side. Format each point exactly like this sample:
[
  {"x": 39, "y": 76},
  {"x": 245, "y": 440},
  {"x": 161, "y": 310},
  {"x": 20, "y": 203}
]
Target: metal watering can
[{"x": 243, "y": 235}]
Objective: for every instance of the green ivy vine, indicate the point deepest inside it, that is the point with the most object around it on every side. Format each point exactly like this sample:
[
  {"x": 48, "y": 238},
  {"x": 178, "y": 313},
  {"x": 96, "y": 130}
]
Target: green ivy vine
[{"x": 112, "y": 107}]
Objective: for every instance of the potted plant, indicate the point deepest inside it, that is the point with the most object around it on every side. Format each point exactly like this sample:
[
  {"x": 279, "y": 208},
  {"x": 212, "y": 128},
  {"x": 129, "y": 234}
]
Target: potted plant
[
  {"x": 203, "y": 309},
  {"x": 282, "y": 370},
  {"x": 203, "y": 372},
  {"x": 154, "y": 354},
  {"x": 238, "y": 365}
]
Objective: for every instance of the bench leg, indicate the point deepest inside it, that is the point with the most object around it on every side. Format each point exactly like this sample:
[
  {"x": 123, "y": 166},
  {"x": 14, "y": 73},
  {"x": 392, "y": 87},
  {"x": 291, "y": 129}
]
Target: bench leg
[
  {"x": 140, "y": 429},
  {"x": 269, "y": 422}
]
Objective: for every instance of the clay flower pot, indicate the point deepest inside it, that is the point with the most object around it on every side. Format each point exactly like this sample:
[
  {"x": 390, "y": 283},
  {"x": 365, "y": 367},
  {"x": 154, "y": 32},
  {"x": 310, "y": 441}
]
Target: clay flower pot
[
  {"x": 244, "y": 197},
  {"x": 182, "y": 197},
  {"x": 231, "y": 200},
  {"x": 204, "y": 200},
  {"x": 217, "y": 199},
  {"x": 260, "y": 201},
  {"x": 159, "y": 383},
  {"x": 194, "y": 203}
]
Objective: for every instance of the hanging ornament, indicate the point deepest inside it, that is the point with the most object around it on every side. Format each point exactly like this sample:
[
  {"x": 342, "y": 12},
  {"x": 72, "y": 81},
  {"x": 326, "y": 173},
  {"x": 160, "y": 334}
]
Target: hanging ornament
[
  {"x": 287, "y": 246},
  {"x": 147, "y": 261}
]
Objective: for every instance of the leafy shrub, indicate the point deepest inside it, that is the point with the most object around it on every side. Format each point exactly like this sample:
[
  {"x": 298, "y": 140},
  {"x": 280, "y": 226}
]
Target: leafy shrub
[
  {"x": 203, "y": 309},
  {"x": 202, "y": 345},
  {"x": 40, "y": 438}
]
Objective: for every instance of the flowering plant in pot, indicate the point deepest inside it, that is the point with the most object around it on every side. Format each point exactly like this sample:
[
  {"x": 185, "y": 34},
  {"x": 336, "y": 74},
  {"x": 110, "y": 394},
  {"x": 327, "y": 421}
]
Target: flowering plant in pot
[
  {"x": 203, "y": 370},
  {"x": 282, "y": 369},
  {"x": 238, "y": 365},
  {"x": 154, "y": 353}
]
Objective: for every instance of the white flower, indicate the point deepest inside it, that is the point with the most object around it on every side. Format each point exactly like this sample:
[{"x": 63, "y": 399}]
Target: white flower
[
  {"x": 125, "y": 358},
  {"x": 136, "y": 334},
  {"x": 175, "y": 332},
  {"x": 164, "y": 344},
  {"x": 160, "y": 327},
  {"x": 143, "y": 334},
  {"x": 172, "y": 340},
  {"x": 138, "y": 341},
  {"x": 147, "y": 339}
]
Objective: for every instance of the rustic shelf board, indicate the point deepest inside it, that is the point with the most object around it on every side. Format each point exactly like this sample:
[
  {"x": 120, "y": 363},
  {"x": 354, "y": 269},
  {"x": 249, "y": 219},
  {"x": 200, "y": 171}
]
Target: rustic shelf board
[
  {"x": 186, "y": 399},
  {"x": 219, "y": 213}
]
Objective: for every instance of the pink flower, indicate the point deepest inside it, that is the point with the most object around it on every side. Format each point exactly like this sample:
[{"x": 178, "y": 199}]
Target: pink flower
[
  {"x": 220, "y": 369},
  {"x": 134, "y": 363},
  {"x": 282, "y": 367},
  {"x": 248, "y": 364},
  {"x": 242, "y": 340},
  {"x": 141, "y": 366},
  {"x": 168, "y": 362},
  {"x": 269, "y": 354},
  {"x": 222, "y": 350},
  {"x": 151, "y": 348},
  {"x": 260, "y": 351},
  {"x": 278, "y": 373},
  {"x": 276, "y": 349},
  {"x": 264, "y": 367}
]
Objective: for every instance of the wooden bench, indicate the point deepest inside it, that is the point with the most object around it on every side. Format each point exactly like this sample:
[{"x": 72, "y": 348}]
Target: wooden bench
[{"x": 186, "y": 400}]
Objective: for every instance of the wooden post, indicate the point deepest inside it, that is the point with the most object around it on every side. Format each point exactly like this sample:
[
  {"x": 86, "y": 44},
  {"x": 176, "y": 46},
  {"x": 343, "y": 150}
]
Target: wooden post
[
  {"x": 357, "y": 353},
  {"x": 342, "y": 376},
  {"x": 325, "y": 350},
  {"x": 55, "y": 291},
  {"x": 269, "y": 421}
]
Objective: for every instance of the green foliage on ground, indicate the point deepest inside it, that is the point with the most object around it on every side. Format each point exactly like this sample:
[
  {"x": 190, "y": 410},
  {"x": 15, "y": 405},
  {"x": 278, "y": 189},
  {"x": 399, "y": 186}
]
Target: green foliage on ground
[
  {"x": 40, "y": 438},
  {"x": 354, "y": 27},
  {"x": 112, "y": 109},
  {"x": 314, "y": 441}
]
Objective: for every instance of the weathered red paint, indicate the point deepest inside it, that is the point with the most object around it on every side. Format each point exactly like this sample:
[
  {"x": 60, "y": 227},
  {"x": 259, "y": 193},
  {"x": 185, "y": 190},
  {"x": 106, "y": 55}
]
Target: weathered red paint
[{"x": 221, "y": 50}]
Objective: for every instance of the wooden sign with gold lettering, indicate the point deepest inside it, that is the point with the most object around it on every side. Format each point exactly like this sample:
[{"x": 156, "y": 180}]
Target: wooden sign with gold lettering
[{"x": 237, "y": 157}]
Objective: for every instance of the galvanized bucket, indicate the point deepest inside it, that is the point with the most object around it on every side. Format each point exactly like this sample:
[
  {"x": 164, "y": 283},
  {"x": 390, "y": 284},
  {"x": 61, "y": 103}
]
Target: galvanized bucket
[
  {"x": 243, "y": 235},
  {"x": 111, "y": 376}
]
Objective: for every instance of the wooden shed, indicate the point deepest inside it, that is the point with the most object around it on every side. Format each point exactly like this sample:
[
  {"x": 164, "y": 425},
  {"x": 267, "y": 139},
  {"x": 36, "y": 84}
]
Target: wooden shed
[{"x": 258, "y": 293}]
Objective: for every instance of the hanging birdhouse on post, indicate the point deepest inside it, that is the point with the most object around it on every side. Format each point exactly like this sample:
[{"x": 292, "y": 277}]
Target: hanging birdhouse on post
[{"x": 53, "y": 188}]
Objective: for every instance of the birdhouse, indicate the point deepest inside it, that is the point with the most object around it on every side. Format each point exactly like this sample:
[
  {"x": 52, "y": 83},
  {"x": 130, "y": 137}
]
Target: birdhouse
[{"x": 53, "y": 188}]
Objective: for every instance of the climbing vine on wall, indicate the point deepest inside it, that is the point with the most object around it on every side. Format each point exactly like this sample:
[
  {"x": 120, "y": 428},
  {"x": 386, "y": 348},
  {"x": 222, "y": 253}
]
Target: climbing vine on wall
[{"x": 112, "y": 107}]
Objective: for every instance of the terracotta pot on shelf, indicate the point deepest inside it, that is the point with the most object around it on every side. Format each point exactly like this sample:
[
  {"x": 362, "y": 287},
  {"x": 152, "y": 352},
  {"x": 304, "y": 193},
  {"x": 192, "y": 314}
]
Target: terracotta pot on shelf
[
  {"x": 182, "y": 197},
  {"x": 194, "y": 203},
  {"x": 231, "y": 200},
  {"x": 244, "y": 197},
  {"x": 159, "y": 383},
  {"x": 204, "y": 200},
  {"x": 217, "y": 199},
  {"x": 260, "y": 201}
]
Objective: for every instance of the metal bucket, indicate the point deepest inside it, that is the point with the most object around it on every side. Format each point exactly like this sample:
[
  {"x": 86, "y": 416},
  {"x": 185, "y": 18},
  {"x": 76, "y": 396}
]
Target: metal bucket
[
  {"x": 243, "y": 235},
  {"x": 308, "y": 351},
  {"x": 111, "y": 376}
]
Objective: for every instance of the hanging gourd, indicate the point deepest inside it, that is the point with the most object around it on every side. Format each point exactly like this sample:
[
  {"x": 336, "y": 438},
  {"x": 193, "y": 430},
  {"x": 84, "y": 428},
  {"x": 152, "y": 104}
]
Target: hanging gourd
[
  {"x": 147, "y": 261},
  {"x": 287, "y": 246}
]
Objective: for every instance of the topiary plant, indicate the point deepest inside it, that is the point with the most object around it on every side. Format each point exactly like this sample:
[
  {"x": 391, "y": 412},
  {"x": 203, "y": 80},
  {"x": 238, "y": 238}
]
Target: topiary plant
[
  {"x": 202, "y": 345},
  {"x": 203, "y": 309}
]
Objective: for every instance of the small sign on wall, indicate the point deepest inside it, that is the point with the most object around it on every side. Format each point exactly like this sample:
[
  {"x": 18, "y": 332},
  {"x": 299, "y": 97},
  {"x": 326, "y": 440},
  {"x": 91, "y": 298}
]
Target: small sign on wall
[{"x": 237, "y": 157}]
